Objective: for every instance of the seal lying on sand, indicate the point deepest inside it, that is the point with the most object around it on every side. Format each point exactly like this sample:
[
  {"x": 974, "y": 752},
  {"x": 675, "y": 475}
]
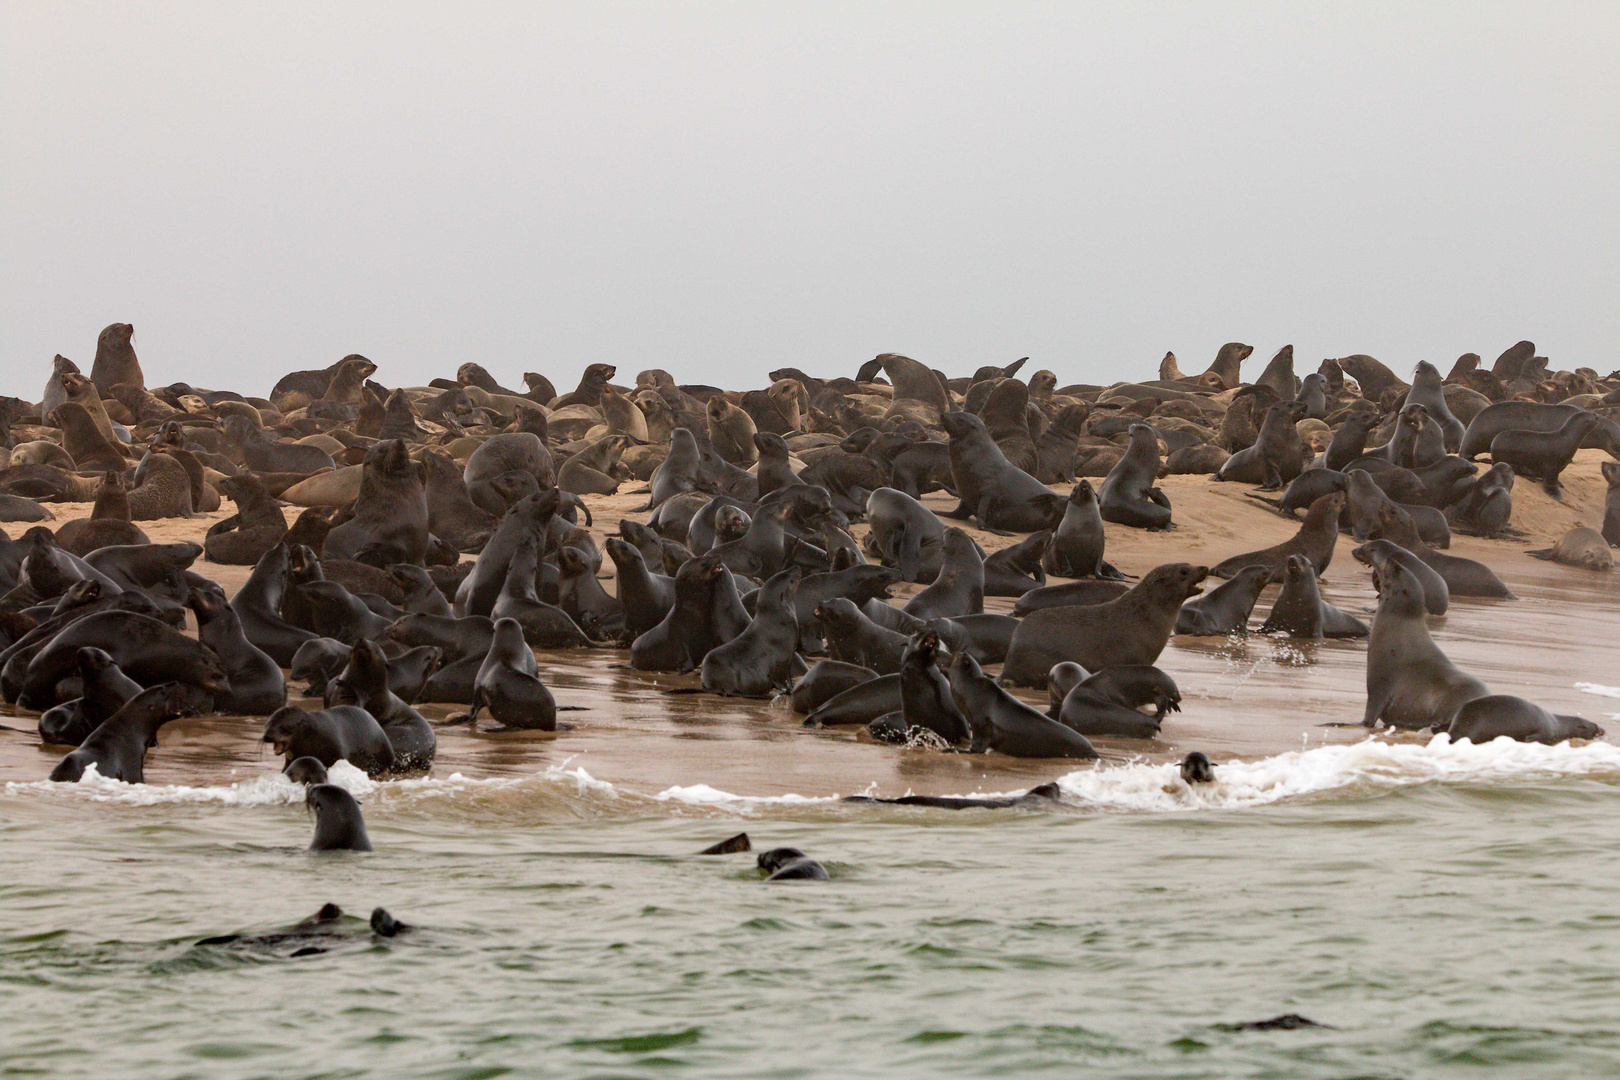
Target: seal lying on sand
[{"x": 1498, "y": 715}]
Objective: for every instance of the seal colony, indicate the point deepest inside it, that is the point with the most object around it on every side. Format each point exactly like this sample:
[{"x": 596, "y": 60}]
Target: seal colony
[{"x": 441, "y": 534}]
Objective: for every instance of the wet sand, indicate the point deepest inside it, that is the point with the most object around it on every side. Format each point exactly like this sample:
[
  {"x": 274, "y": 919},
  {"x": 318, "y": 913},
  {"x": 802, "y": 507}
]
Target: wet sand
[{"x": 1247, "y": 698}]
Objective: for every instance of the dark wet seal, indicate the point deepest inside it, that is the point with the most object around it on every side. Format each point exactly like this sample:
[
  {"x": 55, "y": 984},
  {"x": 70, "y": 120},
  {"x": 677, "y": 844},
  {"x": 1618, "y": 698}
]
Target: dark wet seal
[
  {"x": 1035, "y": 795},
  {"x": 1197, "y": 769},
  {"x": 385, "y": 925},
  {"x": 318, "y": 925},
  {"x": 731, "y": 846},
  {"x": 791, "y": 864},
  {"x": 1285, "y": 1022}
]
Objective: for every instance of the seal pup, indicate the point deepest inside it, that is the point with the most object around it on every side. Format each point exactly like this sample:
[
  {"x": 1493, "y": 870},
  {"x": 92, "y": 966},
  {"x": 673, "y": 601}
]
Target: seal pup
[
  {"x": 1128, "y": 495},
  {"x": 118, "y": 747},
  {"x": 341, "y": 733},
  {"x": 1002, "y": 723},
  {"x": 1496, "y": 716},
  {"x": 1316, "y": 538},
  {"x": 509, "y": 684},
  {"x": 790, "y": 864},
  {"x": 1225, "y": 609},
  {"x": 338, "y": 823},
  {"x": 1544, "y": 454},
  {"x": 1076, "y": 547},
  {"x": 1301, "y": 612},
  {"x": 1580, "y": 547},
  {"x": 1410, "y": 682},
  {"x": 305, "y": 771},
  {"x": 759, "y": 661}
]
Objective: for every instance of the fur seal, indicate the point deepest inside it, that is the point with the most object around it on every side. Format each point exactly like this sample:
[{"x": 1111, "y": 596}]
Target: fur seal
[
  {"x": 420, "y": 595},
  {"x": 106, "y": 689},
  {"x": 1132, "y": 629},
  {"x": 1073, "y": 592},
  {"x": 759, "y": 661},
  {"x": 1225, "y": 372},
  {"x": 904, "y": 534},
  {"x": 147, "y": 650},
  {"x": 1428, "y": 390},
  {"x": 257, "y": 687},
  {"x": 108, "y": 523},
  {"x": 89, "y": 448},
  {"x": 545, "y": 626},
  {"x": 1276, "y": 457},
  {"x": 1127, "y": 495},
  {"x": 1418, "y": 442},
  {"x": 684, "y": 637},
  {"x": 1016, "y": 569},
  {"x": 305, "y": 771},
  {"x": 1497, "y": 716},
  {"x": 1316, "y": 538},
  {"x": 267, "y": 456},
  {"x": 1464, "y": 577},
  {"x": 1493, "y": 420},
  {"x": 1001, "y": 496},
  {"x": 583, "y": 599},
  {"x": 1487, "y": 506},
  {"x": 391, "y": 508},
  {"x": 731, "y": 431},
  {"x": 1611, "y": 504},
  {"x": 528, "y": 518},
  {"x": 1410, "y": 682},
  {"x": 590, "y": 471},
  {"x": 1225, "y": 609},
  {"x": 1366, "y": 504},
  {"x": 985, "y": 637},
  {"x": 645, "y": 597},
  {"x": 589, "y": 390},
  {"x": 162, "y": 489},
  {"x": 118, "y": 747},
  {"x": 115, "y": 361},
  {"x": 856, "y": 639},
  {"x": 509, "y": 684},
  {"x": 1089, "y": 711},
  {"x": 1279, "y": 374},
  {"x": 825, "y": 680},
  {"x": 338, "y": 824},
  {"x": 1436, "y": 594},
  {"x": 959, "y": 588},
  {"x": 1301, "y": 612},
  {"x": 1076, "y": 547},
  {"x": 1350, "y": 440},
  {"x": 1544, "y": 454},
  {"x": 1002, "y": 723},
  {"x": 341, "y": 733},
  {"x": 256, "y": 527},
  {"x": 364, "y": 682},
  {"x": 860, "y": 704},
  {"x": 926, "y": 701},
  {"x": 790, "y": 864},
  {"x": 512, "y": 451},
  {"x": 1581, "y": 547},
  {"x": 55, "y": 389}
]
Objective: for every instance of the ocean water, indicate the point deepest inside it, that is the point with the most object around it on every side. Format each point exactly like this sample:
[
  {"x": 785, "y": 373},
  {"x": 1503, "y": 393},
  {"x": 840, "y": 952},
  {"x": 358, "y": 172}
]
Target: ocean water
[{"x": 1439, "y": 910}]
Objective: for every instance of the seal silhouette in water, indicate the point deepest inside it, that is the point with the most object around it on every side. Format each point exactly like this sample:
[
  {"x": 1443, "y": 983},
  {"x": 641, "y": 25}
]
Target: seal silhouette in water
[
  {"x": 1195, "y": 768},
  {"x": 791, "y": 864},
  {"x": 338, "y": 823}
]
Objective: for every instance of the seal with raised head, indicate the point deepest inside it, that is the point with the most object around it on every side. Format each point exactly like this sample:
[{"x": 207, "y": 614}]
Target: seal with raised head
[
  {"x": 1581, "y": 547},
  {"x": 759, "y": 661},
  {"x": 1436, "y": 594},
  {"x": 1316, "y": 538},
  {"x": 1428, "y": 390},
  {"x": 256, "y": 527},
  {"x": 545, "y": 626},
  {"x": 1410, "y": 682},
  {"x": 341, "y": 733},
  {"x": 856, "y": 639},
  {"x": 790, "y": 864},
  {"x": 1487, "y": 506},
  {"x": 1132, "y": 629},
  {"x": 825, "y": 680},
  {"x": 364, "y": 682},
  {"x": 1076, "y": 547},
  {"x": 1128, "y": 495},
  {"x": 1497, "y": 716},
  {"x": 105, "y": 690},
  {"x": 959, "y": 588},
  {"x": 926, "y": 701},
  {"x": 1225, "y": 609},
  {"x": 1544, "y": 455},
  {"x": 257, "y": 687},
  {"x": 115, "y": 362},
  {"x": 391, "y": 508},
  {"x": 1001, "y": 496},
  {"x": 509, "y": 684},
  {"x": 118, "y": 747},
  {"x": 147, "y": 650},
  {"x": 108, "y": 523},
  {"x": 1494, "y": 419},
  {"x": 1301, "y": 612},
  {"x": 1276, "y": 457},
  {"x": 338, "y": 823},
  {"x": 1002, "y": 723}
]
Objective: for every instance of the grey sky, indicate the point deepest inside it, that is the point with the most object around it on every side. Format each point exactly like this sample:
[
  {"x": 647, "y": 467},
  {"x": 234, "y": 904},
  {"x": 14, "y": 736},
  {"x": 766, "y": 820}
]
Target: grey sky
[{"x": 723, "y": 189}]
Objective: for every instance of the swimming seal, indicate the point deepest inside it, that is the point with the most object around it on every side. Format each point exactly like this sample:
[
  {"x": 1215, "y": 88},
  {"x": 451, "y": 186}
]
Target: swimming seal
[
  {"x": 1132, "y": 629},
  {"x": 338, "y": 824},
  {"x": 1410, "y": 682},
  {"x": 790, "y": 864},
  {"x": 1001, "y": 496},
  {"x": 1301, "y": 612},
  {"x": 1076, "y": 547},
  {"x": 1195, "y": 768},
  {"x": 305, "y": 771},
  {"x": 1580, "y": 547},
  {"x": 1002, "y": 723},
  {"x": 1225, "y": 609},
  {"x": 118, "y": 747},
  {"x": 1127, "y": 495},
  {"x": 1496, "y": 716},
  {"x": 759, "y": 661},
  {"x": 1315, "y": 540},
  {"x": 342, "y": 733}
]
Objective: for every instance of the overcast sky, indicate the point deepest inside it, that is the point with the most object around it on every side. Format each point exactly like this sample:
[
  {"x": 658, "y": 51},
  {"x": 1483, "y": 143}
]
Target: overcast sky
[{"x": 720, "y": 190}]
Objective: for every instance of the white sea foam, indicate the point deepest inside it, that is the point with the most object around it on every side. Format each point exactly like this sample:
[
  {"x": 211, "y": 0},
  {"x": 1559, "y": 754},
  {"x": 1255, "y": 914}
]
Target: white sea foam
[
  {"x": 1364, "y": 768},
  {"x": 1598, "y": 689}
]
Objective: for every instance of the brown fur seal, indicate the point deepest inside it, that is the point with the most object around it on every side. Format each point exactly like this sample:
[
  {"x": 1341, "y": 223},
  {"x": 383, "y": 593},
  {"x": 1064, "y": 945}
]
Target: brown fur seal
[
  {"x": 82, "y": 391},
  {"x": 590, "y": 471},
  {"x": 164, "y": 490},
  {"x": 1279, "y": 375},
  {"x": 109, "y": 522},
  {"x": 1226, "y": 372},
  {"x": 391, "y": 509},
  {"x": 1315, "y": 540},
  {"x": 1128, "y": 495},
  {"x": 1276, "y": 457},
  {"x": 348, "y": 385},
  {"x": 1544, "y": 455},
  {"x": 257, "y": 526},
  {"x": 731, "y": 431},
  {"x": 1132, "y": 629},
  {"x": 1373, "y": 377},
  {"x": 115, "y": 360},
  {"x": 55, "y": 391},
  {"x": 1497, "y": 716},
  {"x": 916, "y": 387},
  {"x": 1002, "y": 723},
  {"x": 88, "y": 447},
  {"x": 589, "y": 390},
  {"x": 1410, "y": 682},
  {"x": 622, "y": 415},
  {"x": 1580, "y": 547},
  {"x": 991, "y": 488}
]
